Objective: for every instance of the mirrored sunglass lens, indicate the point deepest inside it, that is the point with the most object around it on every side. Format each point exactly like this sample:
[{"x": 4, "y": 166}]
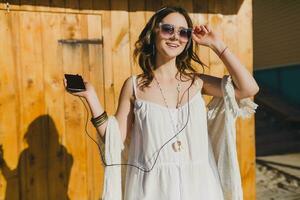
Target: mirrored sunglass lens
[
  {"x": 166, "y": 28},
  {"x": 185, "y": 33}
]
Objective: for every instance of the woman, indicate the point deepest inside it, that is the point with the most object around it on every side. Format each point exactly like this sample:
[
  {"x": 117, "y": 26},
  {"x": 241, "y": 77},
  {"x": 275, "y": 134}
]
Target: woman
[{"x": 164, "y": 100}]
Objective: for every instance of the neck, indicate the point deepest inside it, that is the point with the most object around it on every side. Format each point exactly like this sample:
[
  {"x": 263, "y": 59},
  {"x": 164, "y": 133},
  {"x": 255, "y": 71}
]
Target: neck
[{"x": 165, "y": 68}]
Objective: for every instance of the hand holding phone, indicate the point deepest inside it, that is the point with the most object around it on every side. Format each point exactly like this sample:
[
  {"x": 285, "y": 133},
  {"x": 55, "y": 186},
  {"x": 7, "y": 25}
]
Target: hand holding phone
[{"x": 74, "y": 83}]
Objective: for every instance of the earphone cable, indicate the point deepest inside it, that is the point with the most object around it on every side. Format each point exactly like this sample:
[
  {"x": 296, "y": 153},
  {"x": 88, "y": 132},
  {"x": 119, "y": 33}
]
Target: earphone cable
[{"x": 128, "y": 164}]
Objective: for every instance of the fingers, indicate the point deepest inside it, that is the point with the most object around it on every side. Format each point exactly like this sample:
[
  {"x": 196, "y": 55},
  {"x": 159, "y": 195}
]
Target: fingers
[
  {"x": 196, "y": 38},
  {"x": 202, "y": 29},
  {"x": 202, "y": 34},
  {"x": 65, "y": 85},
  {"x": 65, "y": 82},
  {"x": 208, "y": 28}
]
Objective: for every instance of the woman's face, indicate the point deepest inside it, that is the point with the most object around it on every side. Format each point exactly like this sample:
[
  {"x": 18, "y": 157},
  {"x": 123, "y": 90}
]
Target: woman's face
[{"x": 169, "y": 46}]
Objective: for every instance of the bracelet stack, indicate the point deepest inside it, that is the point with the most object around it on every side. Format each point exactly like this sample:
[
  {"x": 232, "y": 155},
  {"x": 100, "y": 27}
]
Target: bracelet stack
[{"x": 98, "y": 121}]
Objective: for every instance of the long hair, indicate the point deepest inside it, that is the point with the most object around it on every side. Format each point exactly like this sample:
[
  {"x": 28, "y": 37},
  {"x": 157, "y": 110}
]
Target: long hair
[{"x": 145, "y": 51}]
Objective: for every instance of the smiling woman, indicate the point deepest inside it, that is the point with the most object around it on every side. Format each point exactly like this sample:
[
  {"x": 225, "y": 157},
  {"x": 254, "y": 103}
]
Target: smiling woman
[
  {"x": 167, "y": 36},
  {"x": 178, "y": 147}
]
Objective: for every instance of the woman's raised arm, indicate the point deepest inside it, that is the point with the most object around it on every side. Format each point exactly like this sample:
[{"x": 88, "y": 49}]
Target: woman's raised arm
[{"x": 124, "y": 113}]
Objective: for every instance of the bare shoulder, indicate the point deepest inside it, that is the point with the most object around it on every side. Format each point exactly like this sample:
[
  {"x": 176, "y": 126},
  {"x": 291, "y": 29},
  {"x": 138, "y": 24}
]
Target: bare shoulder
[
  {"x": 127, "y": 89},
  {"x": 128, "y": 86},
  {"x": 124, "y": 113}
]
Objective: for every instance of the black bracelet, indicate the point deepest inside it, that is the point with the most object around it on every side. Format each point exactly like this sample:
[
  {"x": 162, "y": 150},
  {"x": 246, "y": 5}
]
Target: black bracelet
[
  {"x": 223, "y": 51},
  {"x": 98, "y": 121}
]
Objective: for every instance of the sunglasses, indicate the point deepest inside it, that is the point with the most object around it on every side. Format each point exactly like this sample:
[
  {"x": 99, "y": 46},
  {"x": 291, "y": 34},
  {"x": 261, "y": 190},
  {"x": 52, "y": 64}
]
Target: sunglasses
[{"x": 168, "y": 30}]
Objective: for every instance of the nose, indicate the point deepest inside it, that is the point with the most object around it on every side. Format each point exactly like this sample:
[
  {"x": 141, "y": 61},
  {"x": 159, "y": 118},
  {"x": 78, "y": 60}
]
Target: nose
[{"x": 175, "y": 35}]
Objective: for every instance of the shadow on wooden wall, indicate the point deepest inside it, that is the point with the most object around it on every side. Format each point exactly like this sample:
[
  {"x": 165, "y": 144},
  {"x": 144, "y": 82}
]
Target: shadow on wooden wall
[{"x": 43, "y": 168}]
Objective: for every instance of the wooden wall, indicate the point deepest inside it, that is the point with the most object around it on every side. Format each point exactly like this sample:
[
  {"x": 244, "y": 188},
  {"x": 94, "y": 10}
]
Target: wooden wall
[{"x": 47, "y": 154}]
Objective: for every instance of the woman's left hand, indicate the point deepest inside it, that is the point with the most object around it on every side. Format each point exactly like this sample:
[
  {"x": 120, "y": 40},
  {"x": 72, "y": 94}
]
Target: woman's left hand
[{"x": 203, "y": 35}]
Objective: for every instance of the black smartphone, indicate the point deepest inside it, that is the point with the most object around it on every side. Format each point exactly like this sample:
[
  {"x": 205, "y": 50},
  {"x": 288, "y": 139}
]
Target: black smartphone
[{"x": 74, "y": 83}]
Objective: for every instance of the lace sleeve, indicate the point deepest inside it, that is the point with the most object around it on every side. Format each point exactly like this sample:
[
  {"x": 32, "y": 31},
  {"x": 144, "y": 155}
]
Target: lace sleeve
[
  {"x": 240, "y": 108},
  {"x": 112, "y": 188}
]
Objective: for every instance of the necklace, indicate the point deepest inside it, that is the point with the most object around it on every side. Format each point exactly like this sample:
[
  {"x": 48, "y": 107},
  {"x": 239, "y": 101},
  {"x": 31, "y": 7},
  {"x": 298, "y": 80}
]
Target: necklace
[{"x": 177, "y": 146}]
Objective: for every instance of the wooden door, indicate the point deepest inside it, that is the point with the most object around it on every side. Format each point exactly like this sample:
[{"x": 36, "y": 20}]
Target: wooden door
[{"x": 46, "y": 152}]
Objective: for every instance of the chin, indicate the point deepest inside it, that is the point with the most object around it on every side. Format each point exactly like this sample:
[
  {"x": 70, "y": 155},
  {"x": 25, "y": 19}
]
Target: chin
[{"x": 172, "y": 53}]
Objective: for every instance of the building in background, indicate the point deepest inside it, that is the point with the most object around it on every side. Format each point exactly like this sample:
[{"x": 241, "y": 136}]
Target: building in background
[{"x": 276, "y": 47}]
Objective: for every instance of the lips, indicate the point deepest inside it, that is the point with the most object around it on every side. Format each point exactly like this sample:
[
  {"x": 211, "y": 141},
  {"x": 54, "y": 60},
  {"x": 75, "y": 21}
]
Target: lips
[{"x": 172, "y": 45}]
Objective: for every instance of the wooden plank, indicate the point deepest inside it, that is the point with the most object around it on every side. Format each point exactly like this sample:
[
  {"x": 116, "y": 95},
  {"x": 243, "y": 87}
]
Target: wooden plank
[
  {"x": 9, "y": 104},
  {"x": 10, "y": 5},
  {"x": 70, "y": 6},
  {"x": 216, "y": 21},
  {"x": 107, "y": 94},
  {"x": 120, "y": 53},
  {"x": 60, "y": 161},
  {"x": 96, "y": 77},
  {"x": 33, "y": 158},
  {"x": 101, "y": 5},
  {"x": 201, "y": 17},
  {"x": 187, "y": 5},
  {"x": 108, "y": 70},
  {"x": 230, "y": 31},
  {"x": 216, "y": 66},
  {"x": 137, "y": 22},
  {"x": 27, "y": 4},
  {"x": 120, "y": 45},
  {"x": 42, "y": 5},
  {"x": 86, "y": 4},
  {"x": 71, "y": 58},
  {"x": 151, "y": 7},
  {"x": 58, "y": 3},
  {"x": 14, "y": 2},
  {"x": 86, "y": 69},
  {"x": 245, "y": 128}
]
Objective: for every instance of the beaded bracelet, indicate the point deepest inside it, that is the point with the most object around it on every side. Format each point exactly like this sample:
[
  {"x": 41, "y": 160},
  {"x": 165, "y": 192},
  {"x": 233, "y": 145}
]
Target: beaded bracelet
[{"x": 223, "y": 51}]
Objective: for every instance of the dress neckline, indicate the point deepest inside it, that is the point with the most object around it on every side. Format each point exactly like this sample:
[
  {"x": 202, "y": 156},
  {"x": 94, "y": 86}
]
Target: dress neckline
[{"x": 198, "y": 93}]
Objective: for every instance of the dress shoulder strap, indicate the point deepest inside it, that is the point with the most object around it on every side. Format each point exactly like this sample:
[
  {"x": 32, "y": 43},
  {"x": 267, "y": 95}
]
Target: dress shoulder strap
[
  {"x": 134, "y": 85},
  {"x": 197, "y": 83}
]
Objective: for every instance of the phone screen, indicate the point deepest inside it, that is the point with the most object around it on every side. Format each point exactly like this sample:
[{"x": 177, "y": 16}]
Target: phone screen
[{"x": 74, "y": 83}]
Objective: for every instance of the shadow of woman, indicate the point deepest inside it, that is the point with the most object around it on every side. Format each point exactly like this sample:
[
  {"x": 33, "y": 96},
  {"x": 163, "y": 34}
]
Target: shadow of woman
[{"x": 44, "y": 167}]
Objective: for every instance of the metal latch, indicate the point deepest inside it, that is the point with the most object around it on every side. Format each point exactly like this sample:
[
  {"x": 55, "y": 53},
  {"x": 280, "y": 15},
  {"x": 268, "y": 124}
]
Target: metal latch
[{"x": 80, "y": 41}]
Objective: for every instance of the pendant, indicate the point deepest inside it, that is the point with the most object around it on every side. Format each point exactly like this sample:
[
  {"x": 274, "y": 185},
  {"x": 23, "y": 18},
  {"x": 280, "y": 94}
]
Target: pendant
[{"x": 177, "y": 146}]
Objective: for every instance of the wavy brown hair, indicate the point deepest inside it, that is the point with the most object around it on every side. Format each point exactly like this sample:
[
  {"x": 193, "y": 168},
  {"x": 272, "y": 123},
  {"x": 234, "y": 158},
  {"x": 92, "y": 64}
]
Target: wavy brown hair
[{"x": 145, "y": 50}]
